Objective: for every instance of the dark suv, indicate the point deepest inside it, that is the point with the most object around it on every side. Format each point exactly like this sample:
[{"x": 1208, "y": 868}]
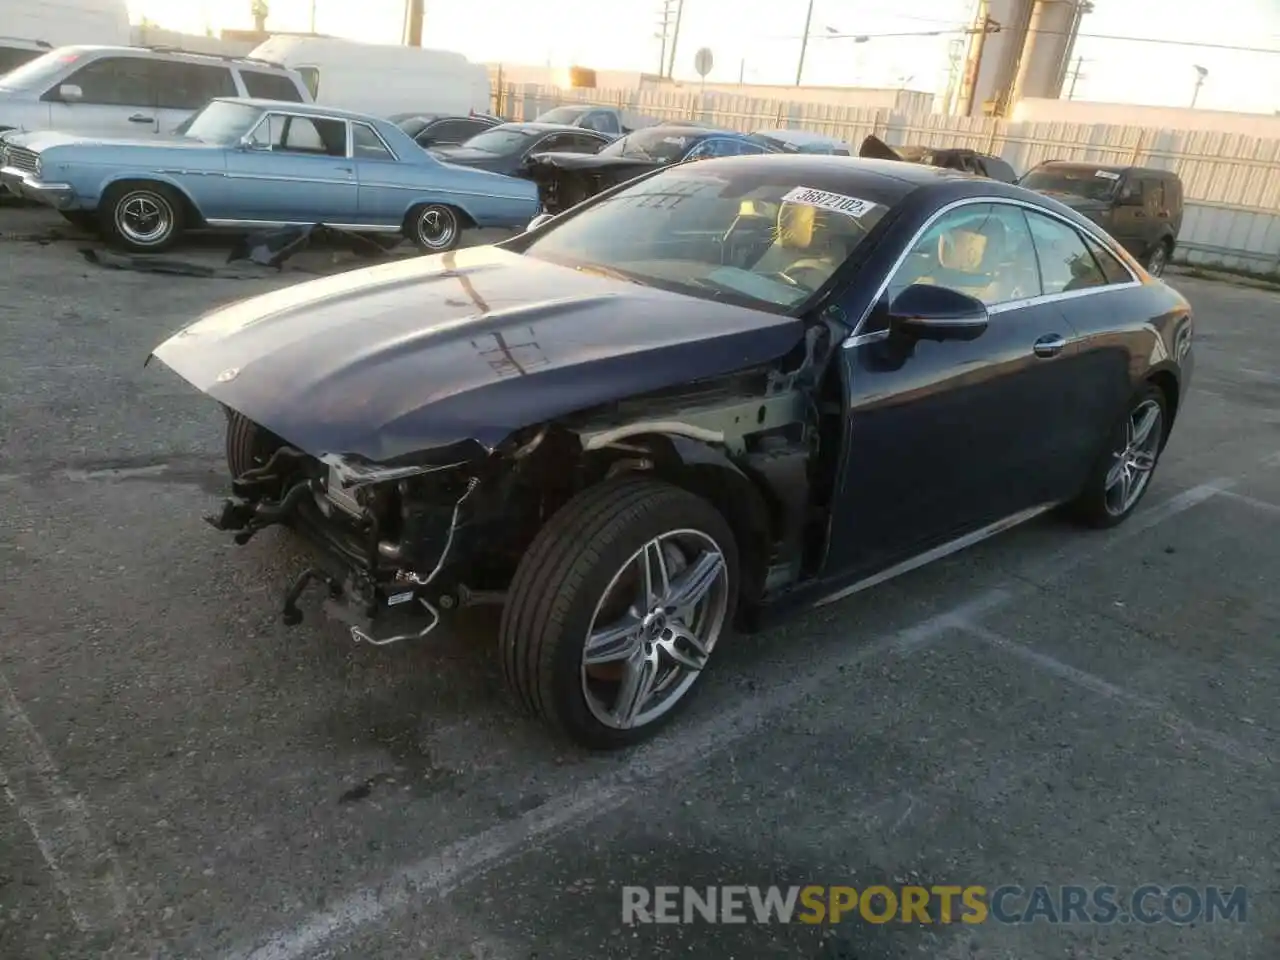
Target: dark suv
[{"x": 1139, "y": 206}]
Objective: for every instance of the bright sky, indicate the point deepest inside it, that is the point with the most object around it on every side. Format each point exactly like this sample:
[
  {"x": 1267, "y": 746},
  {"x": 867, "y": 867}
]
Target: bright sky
[{"x": 764, "y": 47}]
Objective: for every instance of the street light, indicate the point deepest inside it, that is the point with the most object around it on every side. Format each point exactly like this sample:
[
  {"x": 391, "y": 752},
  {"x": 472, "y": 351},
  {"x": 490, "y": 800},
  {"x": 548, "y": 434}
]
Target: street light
[{"x": 1201, "y": 73}]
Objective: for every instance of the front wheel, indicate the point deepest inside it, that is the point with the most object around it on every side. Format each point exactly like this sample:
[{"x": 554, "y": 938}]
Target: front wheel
[
  {"x": 1122, "y": 474},
  {"x": 434, "y": 227},
  {"x": 248, "y": 445},
  {"x": 616, "y": 609},
  {"x": 141, "y": 217}
]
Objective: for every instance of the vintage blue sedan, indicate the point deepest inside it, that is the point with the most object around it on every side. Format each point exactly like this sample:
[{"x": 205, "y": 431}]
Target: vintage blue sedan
[{"x": 245, "y": 164}]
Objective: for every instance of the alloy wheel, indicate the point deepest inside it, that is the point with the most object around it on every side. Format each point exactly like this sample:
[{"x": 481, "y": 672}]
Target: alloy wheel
[
  {"x": 654, "y": 629},
  {"x": 1133, "y": 463},
  {"x": 144, "y": 218}
]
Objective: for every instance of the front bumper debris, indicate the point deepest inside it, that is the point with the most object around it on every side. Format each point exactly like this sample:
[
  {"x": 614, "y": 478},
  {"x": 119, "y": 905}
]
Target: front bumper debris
[{"x": 378, "y": 604}]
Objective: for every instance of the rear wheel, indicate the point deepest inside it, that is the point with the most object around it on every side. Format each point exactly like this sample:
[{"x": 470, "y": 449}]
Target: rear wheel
[
  {"x": 1122, "y": 474},
  {"x": 616, "y": 609},
  {"x": 434, "y": 227},
  {"x": 1158, "y": 259}
]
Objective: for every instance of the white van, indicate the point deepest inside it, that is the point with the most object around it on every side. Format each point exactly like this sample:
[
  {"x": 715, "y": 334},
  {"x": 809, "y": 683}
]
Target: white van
[{"x": 381, "y": 79}]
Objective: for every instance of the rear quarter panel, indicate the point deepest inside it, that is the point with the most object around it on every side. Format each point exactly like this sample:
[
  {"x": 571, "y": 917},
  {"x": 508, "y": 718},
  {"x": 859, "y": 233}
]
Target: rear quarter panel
[{"x": 488, "y": 199}]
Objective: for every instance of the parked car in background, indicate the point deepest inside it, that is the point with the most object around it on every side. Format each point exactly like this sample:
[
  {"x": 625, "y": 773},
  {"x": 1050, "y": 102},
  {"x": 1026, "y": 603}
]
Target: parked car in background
[
  {"x": 508, "y": 147},
  {"x": 382, "y": 79},
  {"x": 724, "y": 390},
  {"x": 1141, "y": 207},
  {"x": 132, "y": 91},
  {"x": 15, "y": 51},
  {"x": 949, "y": 158},
  {"x": 566, "y": 179},
  {"x": 803, "y": 141},
  {"x": 605, "y": 120},
  {"x": 251, "y": 163},
  {"x": 442, "y": 130}
]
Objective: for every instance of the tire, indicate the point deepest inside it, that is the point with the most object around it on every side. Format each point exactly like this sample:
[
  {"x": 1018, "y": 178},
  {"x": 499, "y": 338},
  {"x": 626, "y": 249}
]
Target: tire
[
  {"x": 581, "y": 558},
  {"x": 1100, "y": 504},
  {"x": 141, "y": 217},
  {"x": 83, "y": 219},
  {"x": 248, "y": 445},
  {"x": 433, "y": 227},
  {"x": 1158, "y": 259}
]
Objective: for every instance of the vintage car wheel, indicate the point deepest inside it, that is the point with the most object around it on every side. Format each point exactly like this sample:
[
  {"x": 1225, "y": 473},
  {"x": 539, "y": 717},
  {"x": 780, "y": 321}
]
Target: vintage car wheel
[
  {"x": 434, "y": 227},
  {"x": 1122, "y": 474},
  {"x": 248, "y": 445},
  {"x": 616, "y": 608},
  {"x": 142, "y": 217}
]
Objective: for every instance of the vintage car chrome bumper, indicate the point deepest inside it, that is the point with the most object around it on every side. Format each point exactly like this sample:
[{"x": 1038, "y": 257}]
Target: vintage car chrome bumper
[{"x": 24, "y": 184}]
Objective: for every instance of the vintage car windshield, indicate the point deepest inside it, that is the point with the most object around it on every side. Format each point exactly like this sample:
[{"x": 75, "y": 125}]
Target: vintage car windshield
[
  {"x": 1089, "y": 184},
  {"x": 221, "y": 122},
  {"x": 499, "y": 142},
  {"x": 742, "y": 237},
  {"x": 664, "y": 145}
]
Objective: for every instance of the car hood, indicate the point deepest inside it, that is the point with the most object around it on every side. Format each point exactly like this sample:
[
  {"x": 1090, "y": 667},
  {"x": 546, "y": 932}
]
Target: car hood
[
  {"x": 457, "y": 349},
  {"x": 41, "y": 140}
]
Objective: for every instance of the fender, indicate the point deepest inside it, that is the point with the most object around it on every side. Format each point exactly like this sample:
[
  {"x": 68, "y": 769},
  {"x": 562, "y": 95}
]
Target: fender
[{"x": 151, "y": 176}]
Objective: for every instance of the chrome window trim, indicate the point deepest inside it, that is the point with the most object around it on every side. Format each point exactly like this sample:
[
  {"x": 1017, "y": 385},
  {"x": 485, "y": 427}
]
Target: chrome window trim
[
  {"x": 856, "y": 337},
  {"x": 313, "y": 117},
  {"x": 351, "y": 139}
]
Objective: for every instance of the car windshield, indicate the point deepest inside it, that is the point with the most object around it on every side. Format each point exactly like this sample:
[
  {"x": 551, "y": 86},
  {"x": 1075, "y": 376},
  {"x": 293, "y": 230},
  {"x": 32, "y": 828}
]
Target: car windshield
[
  {"x": 38, "y": 73},
  {"x": 663, "y": 144},
  {"x": 1087, "y": 183},
  {"x": 733, "y": 234},
  {"x": 568, "y": 115},
  {"x": 221, "y": 122},
  {"x": 500, "y": 140}
]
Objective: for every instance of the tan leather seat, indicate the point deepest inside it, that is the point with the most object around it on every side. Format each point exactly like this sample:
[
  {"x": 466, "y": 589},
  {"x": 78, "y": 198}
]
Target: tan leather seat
[{"x": 807, "y": 240}]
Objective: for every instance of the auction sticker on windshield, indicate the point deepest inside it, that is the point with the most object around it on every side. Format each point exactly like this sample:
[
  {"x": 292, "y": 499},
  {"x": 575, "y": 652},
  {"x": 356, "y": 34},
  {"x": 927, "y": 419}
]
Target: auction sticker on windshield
[
  {"x": 1107, "y": 175},
  {"x": 836, "y": 202}
]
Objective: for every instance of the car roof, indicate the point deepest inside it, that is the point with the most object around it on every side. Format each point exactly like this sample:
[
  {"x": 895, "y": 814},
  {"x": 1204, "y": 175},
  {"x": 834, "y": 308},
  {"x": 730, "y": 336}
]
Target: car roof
[
  {"x": 881, "y": 181},
  {"x": 303, "y": 109},
  {"x": 163, "y": 51},
  {"x": 540, "y": 127}
]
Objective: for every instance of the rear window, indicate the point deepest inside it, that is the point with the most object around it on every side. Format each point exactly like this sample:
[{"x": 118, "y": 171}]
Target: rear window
[
  {"x": 11, "y": 57},
  {"x": 270, "y": 86},
  {"x": 311, "y": 77}
]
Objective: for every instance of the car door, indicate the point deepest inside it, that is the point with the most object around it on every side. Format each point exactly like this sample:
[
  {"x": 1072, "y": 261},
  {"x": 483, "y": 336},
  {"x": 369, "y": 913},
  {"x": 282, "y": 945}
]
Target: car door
[
  {"x": 386, "y": 185},
  {"x": 184, "y": 87},
  {"x": 295, "y": 170},
  {"x": 118, "y": 97},
  {"x": 942, "y": 438}
]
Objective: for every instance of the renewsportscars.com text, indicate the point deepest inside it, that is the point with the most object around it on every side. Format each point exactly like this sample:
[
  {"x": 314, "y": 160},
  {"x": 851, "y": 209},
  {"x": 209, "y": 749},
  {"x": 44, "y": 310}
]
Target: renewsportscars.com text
[{"x": 1005, "y": 904}]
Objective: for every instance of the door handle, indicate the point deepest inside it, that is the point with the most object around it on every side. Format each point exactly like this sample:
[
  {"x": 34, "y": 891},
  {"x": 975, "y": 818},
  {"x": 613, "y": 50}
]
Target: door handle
[
  {"x": 139, "y": 118},
  {"x": 1049, "y": 346}
]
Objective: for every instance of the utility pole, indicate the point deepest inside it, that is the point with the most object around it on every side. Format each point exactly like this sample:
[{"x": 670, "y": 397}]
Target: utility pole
[
  {"x": 675, "y": 38},
  {"x": 804, "y": 42},
  {"x": 742, "y": 70},
  {"x": 664, "y": 32},
  {"x": 1201, "y": 73},
  {"x": 413, "y": 17},
  {"x": 313, "y": 16},
  {"x": 260, "y": 14},
  {"x": 1075, "y": 75}
]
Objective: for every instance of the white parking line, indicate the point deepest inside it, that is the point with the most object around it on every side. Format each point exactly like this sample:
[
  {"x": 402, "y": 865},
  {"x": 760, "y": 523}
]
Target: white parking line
[
  {"x": 85, "y": 870},
  {"x": 1105, "y": 688},
  {"x": 435, "y": 877},
  {"x": 1264, "y": 505}
]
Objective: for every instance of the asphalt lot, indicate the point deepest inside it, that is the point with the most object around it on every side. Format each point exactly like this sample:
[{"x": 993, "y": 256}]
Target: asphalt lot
[{"x": 185, "y": 777}]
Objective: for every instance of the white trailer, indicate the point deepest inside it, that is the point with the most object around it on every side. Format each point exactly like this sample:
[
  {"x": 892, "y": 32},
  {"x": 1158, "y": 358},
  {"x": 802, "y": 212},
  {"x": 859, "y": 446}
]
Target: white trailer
[{"x": 382, "y": 79}]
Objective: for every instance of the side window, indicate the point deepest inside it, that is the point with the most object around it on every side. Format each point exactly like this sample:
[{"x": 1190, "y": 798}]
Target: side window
[
  {"x": 983, "y": 250},
  {"x": 1065, "y": 262},
  {"x": 367, "y": 145},
  {"x": 269, "y": 86},
  {"x": 117, "y": 81},
  {"x": 745, "y": 146},
  {"x": 1131, "y": 191},
  {"x": 557, "y": 141},
  {"x": 1153, "y": 194},
  {"x": 447, "y": 131},
  {"x": 601, "y": 120},
  {"x": 311, "y": 77},
  {"x": 307, "y": 135},
  {"x": 580, "y": 144},
  {"x": 1112, "y": 268},
  {"x": 189, "y": 86}
]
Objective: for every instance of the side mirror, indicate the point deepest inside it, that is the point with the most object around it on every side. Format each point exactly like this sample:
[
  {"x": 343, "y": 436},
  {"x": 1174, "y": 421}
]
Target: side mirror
[
  {"x": 538, "y": 221},
  {"x": 927, "y": 312},
  {"x": 70, "y": 93}
]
